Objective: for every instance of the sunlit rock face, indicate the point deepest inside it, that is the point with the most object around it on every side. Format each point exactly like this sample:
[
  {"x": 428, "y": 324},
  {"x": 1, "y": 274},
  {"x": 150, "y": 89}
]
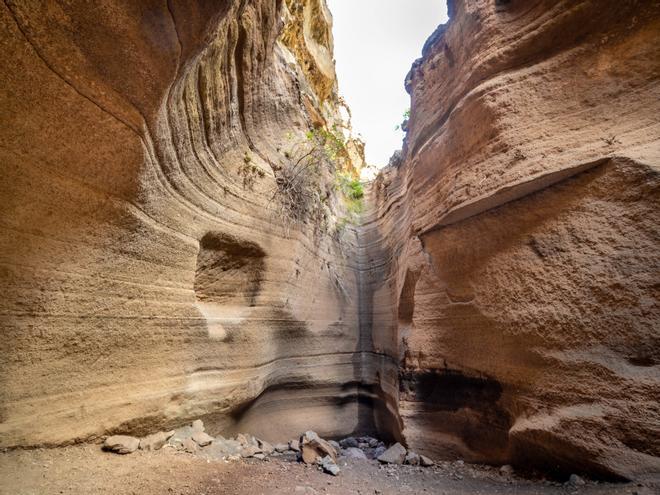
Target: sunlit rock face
[
  {"x": 148, "y": 277},
  {"x": 514, "y": 253}
]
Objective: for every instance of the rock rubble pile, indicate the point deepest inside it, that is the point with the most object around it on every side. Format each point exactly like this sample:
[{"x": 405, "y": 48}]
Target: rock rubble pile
[{"x": 310, "y": 448}]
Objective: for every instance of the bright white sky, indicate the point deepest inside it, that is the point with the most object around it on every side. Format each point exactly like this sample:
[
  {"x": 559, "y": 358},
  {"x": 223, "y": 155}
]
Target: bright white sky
[{"x": 376, "y": 42}]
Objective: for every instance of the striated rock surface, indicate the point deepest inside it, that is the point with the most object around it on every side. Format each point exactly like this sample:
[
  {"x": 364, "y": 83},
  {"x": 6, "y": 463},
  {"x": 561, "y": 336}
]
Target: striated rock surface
[
  {"x": 513, "y": 254},
  {"x": 148, "y": 275},
  {"x": 498, "y": 303}
]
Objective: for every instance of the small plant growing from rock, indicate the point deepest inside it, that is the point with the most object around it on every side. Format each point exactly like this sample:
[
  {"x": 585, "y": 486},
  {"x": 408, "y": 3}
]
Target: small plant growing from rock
[
  {"x": 299, "y": 193},
  {"x": 249, "y": 171},
  {"x": 404, "y": 123},
  {"x": 352, "y": 194}
]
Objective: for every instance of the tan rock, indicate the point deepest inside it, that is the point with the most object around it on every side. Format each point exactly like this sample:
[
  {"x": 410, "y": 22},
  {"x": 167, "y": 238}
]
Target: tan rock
[
  {"x": 396, "y": 454},
  {"x": 189, "y": 445},
  {"x": 508, "y": 259},
  {"x": 509, "y": 219},
  {"x": 155, "y": 441},
  {"x": 201, "y": 438},
  {"x": 121, "y": 444},
  {"x": 313, "y": 448},
  {"x": 142, "y": 256}
]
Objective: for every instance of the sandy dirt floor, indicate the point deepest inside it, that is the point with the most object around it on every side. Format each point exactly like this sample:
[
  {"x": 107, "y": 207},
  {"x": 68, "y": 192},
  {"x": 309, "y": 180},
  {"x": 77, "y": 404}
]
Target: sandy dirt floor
[{"x": 87, "y": 470}]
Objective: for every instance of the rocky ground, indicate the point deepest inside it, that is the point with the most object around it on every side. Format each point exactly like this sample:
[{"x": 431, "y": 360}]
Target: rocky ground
[{"x": 204, "y": 466}]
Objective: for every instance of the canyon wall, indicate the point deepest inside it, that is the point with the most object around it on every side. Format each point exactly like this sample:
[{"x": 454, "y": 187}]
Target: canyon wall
[
  {"x": 514, "y": 243},
  {"x": 498, "y": 302},
  {"x": 149, "y": 272}
]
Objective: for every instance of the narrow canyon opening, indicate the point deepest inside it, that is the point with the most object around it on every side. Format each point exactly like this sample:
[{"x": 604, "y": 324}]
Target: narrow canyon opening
[{"x": 186, "y": 235}]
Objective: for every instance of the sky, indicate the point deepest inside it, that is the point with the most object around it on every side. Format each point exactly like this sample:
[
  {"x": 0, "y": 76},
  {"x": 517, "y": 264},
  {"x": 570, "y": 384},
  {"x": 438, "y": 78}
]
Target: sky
[{"x": 376, "y": 42}]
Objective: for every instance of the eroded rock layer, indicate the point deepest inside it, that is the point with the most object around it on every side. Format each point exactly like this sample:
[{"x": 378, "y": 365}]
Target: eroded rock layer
[
  {"x": 514, "y": 252},
  {"x": 498, "y": 303},
  {"x": 147, "y": 275}
]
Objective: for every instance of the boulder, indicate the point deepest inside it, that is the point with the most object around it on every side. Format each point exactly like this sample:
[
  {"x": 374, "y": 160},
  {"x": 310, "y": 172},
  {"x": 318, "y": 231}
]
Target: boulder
[
  {"x": 250, "y": 451},
  {"x": 354, "y": 453},
  {"x": 314, "y": 447},
  {"x": 121, "y": 444},
  {"x": 265, "y": 447},
  {"x": 375, "y": 453},
  {"x": 425, "y": 461},
  {"x": 575, "y": 480},
  {"x": 197, "y": 425},
  {"x": 348, "y": 442},
  {"x": 396, "y": 454},
  {"x": 201, "y": 438},
  {"x": 155, "y": 441},
  {"x": 281, "y": 447},
  {"x": 329, "y": 465},
  {"x": 294, "y": 445},
  {"x": 180, "y": 434},
  {"x": 246, "y": 440},
  {"x": 506, "y": 470},
  {"x": 189, "y": 445},
  {"x": 222, "y": 449},
  {"x": 412, "y": 459}
]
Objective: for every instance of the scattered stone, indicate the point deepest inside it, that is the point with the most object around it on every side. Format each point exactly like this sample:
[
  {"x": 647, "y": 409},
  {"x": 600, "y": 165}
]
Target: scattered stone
[
  {"x": 348, "y": 442},
  {"x": 373, "y": 443},
  {"x": 425, "y": 461},
  {"x": 250, "y": 451},
  {"x": 265, "y": 447},
  {"x": 375, "y": 453},
  {"x": 412, "y": 459},
  {"x": 294, "y": 445},
  {"x": 222, "y": 449},
  {"x": 197, "y": 425},
  {"x": 335, "y": 445},
  {"x": 155, "y": 441},
  {"x": 506, "y": 470},
  {"x": 121, "y": 444},
  {"x": 259, "y": 456},
  {"x": 329, "y": 466},
  {"x": 314, "y": 447},
  {"x": 575, "y": 480},
  {"x": 281, "y": 447},
  {"x": 180, "y": 434},
  {"x": 354, "y": 453},
  {"x": 189, "y": 445},
  {"x": 394, "y": 455},
  {"x": 202, "y": 439},
  {"x": 242, "y": 439}
]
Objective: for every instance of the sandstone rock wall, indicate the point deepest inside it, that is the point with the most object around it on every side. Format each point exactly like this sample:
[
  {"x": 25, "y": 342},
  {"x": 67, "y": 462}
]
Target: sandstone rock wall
[
  {"x": 499, "y": 301},
  {"x": 515, "y": 278},
  {"x": 147, "y": 275}
]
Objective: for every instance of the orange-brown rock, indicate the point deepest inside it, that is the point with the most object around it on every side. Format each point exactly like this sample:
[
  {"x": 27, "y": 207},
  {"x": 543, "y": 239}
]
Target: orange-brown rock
[
  {"x": 519, "y": 285},
  {"x": 148, "y": 277},
  {"x": 499, "y": 302}
]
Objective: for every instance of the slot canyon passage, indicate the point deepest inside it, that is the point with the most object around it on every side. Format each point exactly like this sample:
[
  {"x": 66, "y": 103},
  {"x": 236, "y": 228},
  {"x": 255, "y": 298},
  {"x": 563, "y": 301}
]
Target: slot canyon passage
[{"x": 184, "y": 237}]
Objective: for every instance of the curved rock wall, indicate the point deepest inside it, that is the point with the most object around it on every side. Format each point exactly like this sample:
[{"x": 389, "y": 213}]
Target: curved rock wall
[
  {"x": 147, "y": 274},
  {"x": 519, "y": 288},
  {"x": 499, "y": 301}
]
